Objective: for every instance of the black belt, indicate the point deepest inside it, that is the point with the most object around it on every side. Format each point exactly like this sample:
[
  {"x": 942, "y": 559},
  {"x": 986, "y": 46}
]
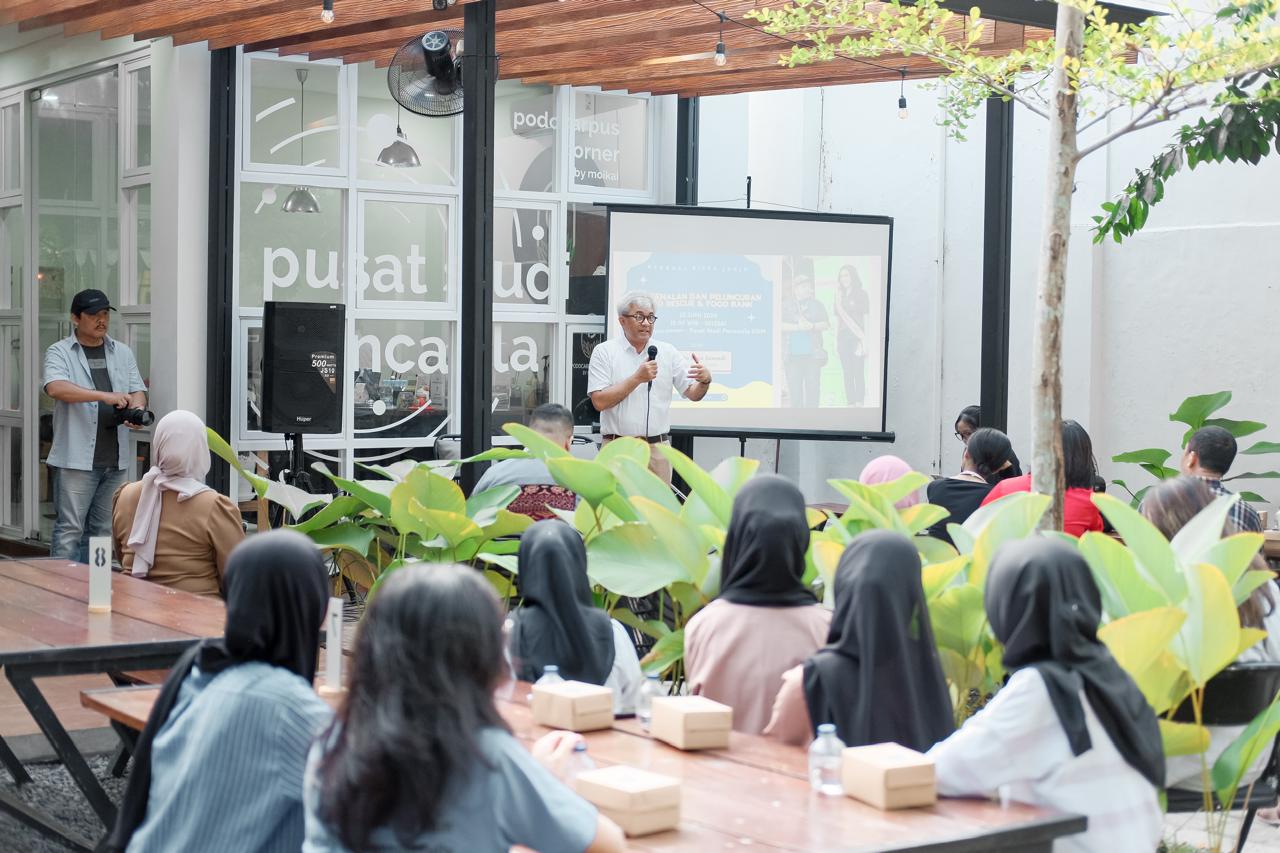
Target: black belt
[{"x": 653, "y": 439}]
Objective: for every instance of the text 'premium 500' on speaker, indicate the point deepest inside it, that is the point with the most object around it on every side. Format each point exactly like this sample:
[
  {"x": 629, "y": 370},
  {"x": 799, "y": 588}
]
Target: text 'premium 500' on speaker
[{"x": 302, "y": 367}]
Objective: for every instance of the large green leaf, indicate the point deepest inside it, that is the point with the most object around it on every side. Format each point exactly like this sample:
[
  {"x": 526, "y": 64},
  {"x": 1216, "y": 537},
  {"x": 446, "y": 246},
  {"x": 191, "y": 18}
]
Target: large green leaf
[
  {"x": 535, "y": 442},
  {"x": 223, "y": 451},
  {"x": 1256, "y": 475},
  {"x": 939, "y": 576},
  {"x": 664, "y": 654},
  {"x": 1194, "y": 411},
  {"x": 636, "y": 480},
  {"x": 1137, "y": 640},
  {"x": 455, "y": 527},
  {"x": 506, "y": 523},
  {"x": 1209, "y": 639},
  {"x": 293, "y": 499},
  {"x": 624, "y": 448},
  {"x": 1258, "y": 736},
  {"x": 496, "y": 454},
  {"x": 1013, "y": 517},
  {"x": 708, "y": 502},
  {"x": 649, "y": 627},
  {"x": 1247, "y": 583},
  {"x": 1238, "y": 429},
  {"x": 922, "y": 516},
  {"x": 343, "y": 506},
  {"x": 958, "y": 618},
  {"x": 1202, "y": 532},
  {"x": 1124, "y": 589},
  {"x": 1260, "y": 447},
  {"x": 631, "y": 560},
  {"x": 436, "y": 492},
  {"x": 506, "y": 561},
  {"x": 375, "y": 493},
  {"x": 895, "y": 490},
  {"x": 1164, "y": 683},
  {"x": 346, "y": 537},
  {"x": 1150, "y": 455},
  {"x": 1183, "y": 738},
  {"x": 591, "y": 481},
  {"x": 1233, "y": 554},
  {"x": 868, "y": 504},
  {"x": 483, "y": 507},
  {"x": 1152, "y": 553},
  {"x": 933, "y": 550},
  {"x": 683, "y": 542}
]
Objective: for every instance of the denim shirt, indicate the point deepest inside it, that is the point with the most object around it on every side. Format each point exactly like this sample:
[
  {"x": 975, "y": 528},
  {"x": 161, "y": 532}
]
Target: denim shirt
[{"x": 75, "y": 425}]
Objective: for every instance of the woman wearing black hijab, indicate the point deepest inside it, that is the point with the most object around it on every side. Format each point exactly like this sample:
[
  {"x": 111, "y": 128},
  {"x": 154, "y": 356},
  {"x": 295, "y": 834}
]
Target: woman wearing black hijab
[
  {"x": 559, "y": 624},
  {"x": 1070, "y": 729},
  {"x": 878, "y": 677},
  {"x": 221, "y": 761},
  {"x": 764, "y": 621}
]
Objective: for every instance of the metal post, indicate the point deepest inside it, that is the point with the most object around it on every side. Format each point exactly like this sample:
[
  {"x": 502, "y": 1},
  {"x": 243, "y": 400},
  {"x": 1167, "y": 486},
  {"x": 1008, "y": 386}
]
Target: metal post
[
  {"x": 479, "y": 75},
  {"x": 996, "y": 256},
  {"x": 687, "y": 120},
  {"x": 222, "y": 176}
]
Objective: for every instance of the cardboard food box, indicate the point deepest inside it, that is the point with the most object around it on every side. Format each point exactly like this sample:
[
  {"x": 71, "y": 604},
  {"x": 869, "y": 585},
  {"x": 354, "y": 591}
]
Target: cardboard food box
[
  {"x": 636, "y": 800},
  {"x": 573, "y": 705},
  {"x": 889, "y": 776},
  {"x": 691, "y": 722}
]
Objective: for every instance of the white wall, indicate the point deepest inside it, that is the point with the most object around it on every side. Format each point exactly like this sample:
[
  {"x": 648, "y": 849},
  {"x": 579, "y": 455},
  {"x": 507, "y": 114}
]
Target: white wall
[{"x": 1188, "y": 306}]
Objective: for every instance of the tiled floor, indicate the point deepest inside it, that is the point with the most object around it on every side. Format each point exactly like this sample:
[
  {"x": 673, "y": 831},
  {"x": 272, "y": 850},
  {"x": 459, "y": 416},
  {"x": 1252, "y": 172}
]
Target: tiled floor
[{"x": 1189, "y": 829}]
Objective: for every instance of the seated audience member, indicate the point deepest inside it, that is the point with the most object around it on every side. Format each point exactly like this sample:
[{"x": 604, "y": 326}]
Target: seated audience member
[
  {"x": 538, "y": 488},
  {"x": 559, "y": 625},
  {"x": 1169, "y": 506},
  {"x": 764, "y": 621},
  {"x": 878, "y": 678},
  {"x": 221, "y": 761},
  {"x": 170, "y": 527},
  {"x": 1069, "y": 730},
  {"x": 986, "y": 454},
  {"x": 418, "y": 757},
  {"x": 1079, "y": 513},
  {"x": 1209, "y": 455},
  {"x": 886, "y": 469},
  {"x": 967, "y": 423}
]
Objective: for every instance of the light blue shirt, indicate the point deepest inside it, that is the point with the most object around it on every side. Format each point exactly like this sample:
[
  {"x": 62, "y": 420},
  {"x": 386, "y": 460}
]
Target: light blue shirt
[
  {"x": 227, "y": 766},
  {"x": 507, "y": 799},
  {"x": 75, "y": 425}
]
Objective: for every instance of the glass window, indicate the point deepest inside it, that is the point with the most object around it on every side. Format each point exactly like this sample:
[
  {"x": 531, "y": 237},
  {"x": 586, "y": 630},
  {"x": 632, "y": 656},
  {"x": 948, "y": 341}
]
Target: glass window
[
  {"x": 140, "y": 343},
  {"x": 521, "y": 370},
  {"x": 582, "y": 342},
  {"x": 13, "y": 243},
  {"x": 587, "y": 246},
  {"x": 293, "y": 257},
  {"x": 11, "y": 340},
  {"x": 400, "y": 387},
  {"x": 521, "y": 255},
  {"x": 140, "y": 81},
  {"x": 253, "y": 377},
  {"x": 13, "y": 513},
  {"x": 524, "y": 137},
  {"x": 11, "y": 147},
  {"x": 142, "y": 214},
  {"x": 377, "y": 116},
  {"x": 611, "y": 141},
  {"x": 280, "y": 133},
  {"x": 404, "y": 252}
]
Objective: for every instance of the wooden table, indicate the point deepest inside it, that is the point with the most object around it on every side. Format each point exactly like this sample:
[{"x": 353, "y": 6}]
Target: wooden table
[
  {"x": 46, "y": 629},
  {"x": 754, "y": 793},
  {"x": 1271, "y": 544}
]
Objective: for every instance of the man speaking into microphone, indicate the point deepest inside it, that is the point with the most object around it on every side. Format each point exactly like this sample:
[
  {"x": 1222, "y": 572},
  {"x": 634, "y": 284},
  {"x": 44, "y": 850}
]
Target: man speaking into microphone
[{"x": 631, "y": 378}]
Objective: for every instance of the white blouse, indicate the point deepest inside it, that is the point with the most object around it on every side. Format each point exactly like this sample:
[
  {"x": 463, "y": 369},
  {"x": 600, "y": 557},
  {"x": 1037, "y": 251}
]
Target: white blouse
[
  {"x": 1016, "y": 741},
  {"x": 625, "y": 678}
]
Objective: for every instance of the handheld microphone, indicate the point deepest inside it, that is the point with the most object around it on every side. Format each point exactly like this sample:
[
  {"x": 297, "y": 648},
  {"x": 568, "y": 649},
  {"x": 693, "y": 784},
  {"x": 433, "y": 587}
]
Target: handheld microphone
[{"x": 653, "y": 353}]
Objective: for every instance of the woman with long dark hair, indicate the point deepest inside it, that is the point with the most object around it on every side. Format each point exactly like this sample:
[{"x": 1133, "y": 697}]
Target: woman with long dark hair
[
  {"x": 878, "y": 678},
  {"x": 559, "y": 625},
  {"x": 967, "y": 423},
  {"x": 418, "y": 757},
  {"x": 765, "y": 621},
  {"x": 1069, "y": 730},
  {"x": 220, "y": 763},
  {"x": 1080, "y": 470},
  {"x": 987, "y": 454},
  {"x": 853, "y": 309}
]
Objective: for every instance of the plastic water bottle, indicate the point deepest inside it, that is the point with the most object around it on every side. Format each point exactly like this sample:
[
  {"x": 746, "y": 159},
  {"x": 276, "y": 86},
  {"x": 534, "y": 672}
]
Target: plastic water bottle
[
  {"x": 578, "y": 763},
  {"x": 644, "y": 701},
  {"x": 550, "y": 675},
  {"x": 825, "y": 754}
]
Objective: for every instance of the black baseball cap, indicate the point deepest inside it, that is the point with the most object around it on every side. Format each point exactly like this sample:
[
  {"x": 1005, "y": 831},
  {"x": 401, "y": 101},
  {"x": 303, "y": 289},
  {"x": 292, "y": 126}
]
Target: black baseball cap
[{"x": 90, "y": 302}]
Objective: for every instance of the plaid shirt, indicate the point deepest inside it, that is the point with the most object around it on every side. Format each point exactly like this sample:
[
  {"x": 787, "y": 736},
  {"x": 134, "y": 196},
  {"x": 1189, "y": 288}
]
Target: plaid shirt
[{"x": 1243, "y": 516}]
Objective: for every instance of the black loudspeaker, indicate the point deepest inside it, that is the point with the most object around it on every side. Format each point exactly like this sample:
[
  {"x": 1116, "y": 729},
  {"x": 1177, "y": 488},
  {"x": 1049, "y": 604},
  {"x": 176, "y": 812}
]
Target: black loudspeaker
[{"x": 302, "y": 367}]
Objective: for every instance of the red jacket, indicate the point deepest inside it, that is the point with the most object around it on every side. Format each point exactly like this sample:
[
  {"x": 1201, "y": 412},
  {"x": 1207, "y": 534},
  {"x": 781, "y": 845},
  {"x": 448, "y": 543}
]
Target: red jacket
[{"x": 1078, "y": 510}]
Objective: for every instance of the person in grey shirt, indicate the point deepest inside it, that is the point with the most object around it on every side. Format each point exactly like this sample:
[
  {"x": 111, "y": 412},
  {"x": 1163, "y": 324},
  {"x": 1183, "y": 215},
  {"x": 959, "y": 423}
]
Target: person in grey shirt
[
  {"x": 91, "y": 378},
  {"x": 551, "y": 420}
]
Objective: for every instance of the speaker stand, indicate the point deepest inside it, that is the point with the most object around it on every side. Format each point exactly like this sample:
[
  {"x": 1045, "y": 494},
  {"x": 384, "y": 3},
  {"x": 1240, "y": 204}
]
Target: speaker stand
[{"x": 296, "y": 474}]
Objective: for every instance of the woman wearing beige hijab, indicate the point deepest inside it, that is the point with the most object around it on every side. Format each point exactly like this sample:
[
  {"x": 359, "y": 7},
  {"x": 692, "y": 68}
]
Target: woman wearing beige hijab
[{"x": 170, "y": 527}]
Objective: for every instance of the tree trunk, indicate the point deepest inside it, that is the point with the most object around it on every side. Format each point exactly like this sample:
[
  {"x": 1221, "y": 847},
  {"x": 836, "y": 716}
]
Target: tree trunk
[{"x": 1046, "y": 354}]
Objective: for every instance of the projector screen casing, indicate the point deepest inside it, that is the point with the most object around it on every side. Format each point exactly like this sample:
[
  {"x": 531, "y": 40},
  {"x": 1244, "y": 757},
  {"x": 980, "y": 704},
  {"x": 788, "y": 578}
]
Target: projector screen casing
[{"x": 846, "y": 236}]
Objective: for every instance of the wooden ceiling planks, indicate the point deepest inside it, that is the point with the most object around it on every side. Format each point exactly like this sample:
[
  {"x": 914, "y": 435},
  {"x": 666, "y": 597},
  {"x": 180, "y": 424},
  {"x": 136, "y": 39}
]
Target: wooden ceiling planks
[{"x": 657, "y": 46}]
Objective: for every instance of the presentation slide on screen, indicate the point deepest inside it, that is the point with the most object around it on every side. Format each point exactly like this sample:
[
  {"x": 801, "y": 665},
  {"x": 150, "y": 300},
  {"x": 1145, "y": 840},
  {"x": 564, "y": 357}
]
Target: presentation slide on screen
[{"x": 789, "y": 314}]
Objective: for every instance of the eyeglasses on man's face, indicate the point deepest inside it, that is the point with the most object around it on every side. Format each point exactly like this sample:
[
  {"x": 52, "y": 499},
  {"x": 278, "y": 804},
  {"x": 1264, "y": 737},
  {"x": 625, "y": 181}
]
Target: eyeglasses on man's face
[{"x": 643, "y": 319}]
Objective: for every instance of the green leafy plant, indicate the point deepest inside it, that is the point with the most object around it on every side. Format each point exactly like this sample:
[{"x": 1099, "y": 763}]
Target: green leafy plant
[
  {"x": 1172, "y": 624},
  {"x": 1196, "y": 412}
]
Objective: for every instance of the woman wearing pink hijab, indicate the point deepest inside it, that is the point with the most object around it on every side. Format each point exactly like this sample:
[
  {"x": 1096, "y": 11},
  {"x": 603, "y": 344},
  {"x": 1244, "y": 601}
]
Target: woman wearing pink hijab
[
  {"x": 170, "y": 527},
  {"x": 886, "y": 469}
]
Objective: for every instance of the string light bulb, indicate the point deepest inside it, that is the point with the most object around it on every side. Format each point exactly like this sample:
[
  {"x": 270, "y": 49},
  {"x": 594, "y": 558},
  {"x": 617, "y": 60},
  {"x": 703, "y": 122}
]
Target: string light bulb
[
  {"x": 721, "y": 56},
  {"x": 902, "y": 95},
  {"x": 326, "y": 12}
]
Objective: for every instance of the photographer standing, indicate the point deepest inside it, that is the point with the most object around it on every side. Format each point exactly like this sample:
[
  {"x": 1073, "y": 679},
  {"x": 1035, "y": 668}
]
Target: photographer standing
[{"x": 94, "y": 381}]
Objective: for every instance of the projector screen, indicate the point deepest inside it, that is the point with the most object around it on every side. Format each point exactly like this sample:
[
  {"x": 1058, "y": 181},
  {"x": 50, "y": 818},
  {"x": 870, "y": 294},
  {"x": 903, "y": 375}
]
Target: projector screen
[{"x": 789, "y": 311}]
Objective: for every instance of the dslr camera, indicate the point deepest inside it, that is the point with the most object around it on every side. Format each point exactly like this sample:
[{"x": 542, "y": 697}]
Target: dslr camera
[{"x": 137, "y": 417}]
